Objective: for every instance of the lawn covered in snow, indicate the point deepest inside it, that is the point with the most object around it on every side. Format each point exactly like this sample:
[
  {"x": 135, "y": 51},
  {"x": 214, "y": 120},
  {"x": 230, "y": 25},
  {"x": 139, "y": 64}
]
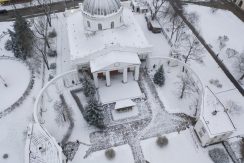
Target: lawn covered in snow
[
  {"x": 181, "y": 148},
  {"x": 123, "y": 154},
  {"x": 220, "y": 23},
  {"x": 17, "y": 77}
]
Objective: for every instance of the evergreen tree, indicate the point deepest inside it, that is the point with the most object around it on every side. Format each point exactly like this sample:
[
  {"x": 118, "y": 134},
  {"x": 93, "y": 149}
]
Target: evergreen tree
[
  {"x": 21, "y": 38},
  {"x": 89, "y": 88},
  {"x": 159, "y": 76},
  {"x": 93, "y": 113}
]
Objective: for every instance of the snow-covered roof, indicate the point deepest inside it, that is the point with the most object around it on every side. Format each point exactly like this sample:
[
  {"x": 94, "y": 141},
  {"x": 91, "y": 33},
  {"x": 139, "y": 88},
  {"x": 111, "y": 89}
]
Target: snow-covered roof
[
  {"x": 101, "y": 7},
  {"x": 141, "y": 3},
  {"x": 124, "y": 104},
  {"x": 114, "y": 58},
  {"x": 215, "y": 116},
  {"x": 82, "y": 45},
  {"x": 41, "y": 147}
]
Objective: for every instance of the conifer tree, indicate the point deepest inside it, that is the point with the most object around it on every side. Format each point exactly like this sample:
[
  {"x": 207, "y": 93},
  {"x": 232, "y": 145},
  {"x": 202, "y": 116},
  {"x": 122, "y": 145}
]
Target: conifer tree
[
  {"x": 89, "y": 88},
  {"x": 159, "y": 77},
  {"x": 93, "y": 113},
  {"x": 21, "y": 38}
]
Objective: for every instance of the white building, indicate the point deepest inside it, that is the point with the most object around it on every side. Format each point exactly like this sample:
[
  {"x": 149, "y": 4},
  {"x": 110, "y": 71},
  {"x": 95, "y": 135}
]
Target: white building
[
  {"x": 214, "y": 124},
  {"x": 140, "y": 6},
  {"x": 105, "y": 39}
]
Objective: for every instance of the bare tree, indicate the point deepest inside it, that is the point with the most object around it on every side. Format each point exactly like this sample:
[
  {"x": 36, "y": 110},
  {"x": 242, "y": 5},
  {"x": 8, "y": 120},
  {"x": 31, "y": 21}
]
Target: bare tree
[
  {"x": 45, "y": 7},
  {"x": 192, "y": 48},
  {"x": 41, "y": 27},
  {"x": 41, "y": 51},
  {"x": 231, "y": 52},
  {"x": 154, "y": 7},
  {"x": 222, "y": 40},
  {"x": 234, "y": 108},
  {"x": 187, "y": 85},
  {"x": 64, "y": 112},
  {"x": 40, "y": 32},
  {"x": 239, "y": 64}
]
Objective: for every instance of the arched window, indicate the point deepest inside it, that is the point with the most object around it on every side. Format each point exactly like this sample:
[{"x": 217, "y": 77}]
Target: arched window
[
  {"x": 112, "y": 24},
  {"x": 100, "y": 26},
  {"x": 240, "y": 3},
  {"x": 88, "y": 24}
]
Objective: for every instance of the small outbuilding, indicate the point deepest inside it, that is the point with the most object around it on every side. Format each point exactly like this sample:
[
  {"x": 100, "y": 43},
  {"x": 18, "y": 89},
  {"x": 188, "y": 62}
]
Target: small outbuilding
[
  {"x": 140, "y": 6},
  {"x": 214, "y": 124}
]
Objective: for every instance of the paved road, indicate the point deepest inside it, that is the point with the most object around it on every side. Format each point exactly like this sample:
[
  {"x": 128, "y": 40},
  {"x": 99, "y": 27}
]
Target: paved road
[{"x": 37, "y": 11}]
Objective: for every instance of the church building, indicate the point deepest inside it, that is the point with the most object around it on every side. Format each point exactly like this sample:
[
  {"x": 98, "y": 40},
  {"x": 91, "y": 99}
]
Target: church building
[{"x": 104, "y": 38}]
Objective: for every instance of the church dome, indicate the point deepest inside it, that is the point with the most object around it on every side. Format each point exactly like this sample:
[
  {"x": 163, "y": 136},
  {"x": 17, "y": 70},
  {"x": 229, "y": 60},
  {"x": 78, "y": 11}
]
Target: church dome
[{"x": 101, "y": 7}]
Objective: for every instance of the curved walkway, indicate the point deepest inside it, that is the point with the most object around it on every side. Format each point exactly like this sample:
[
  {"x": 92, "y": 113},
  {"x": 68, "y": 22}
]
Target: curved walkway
[{"x": 20, "y": 100}]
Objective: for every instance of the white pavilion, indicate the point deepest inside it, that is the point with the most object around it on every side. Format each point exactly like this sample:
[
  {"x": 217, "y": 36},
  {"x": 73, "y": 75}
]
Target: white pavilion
[{"x": 104, "y": 38}]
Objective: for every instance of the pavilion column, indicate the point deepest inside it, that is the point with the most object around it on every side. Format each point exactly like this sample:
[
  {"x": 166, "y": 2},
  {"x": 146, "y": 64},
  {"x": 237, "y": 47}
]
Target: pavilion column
[
  {"x": 108, "y": 78},
  {"x": 95, "y": 79},
  {"x": 125, "y": 75},
  {"x": 137, "y": 69}
]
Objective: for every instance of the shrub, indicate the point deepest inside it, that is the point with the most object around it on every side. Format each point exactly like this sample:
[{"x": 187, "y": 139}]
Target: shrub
[
  {"x": 52, "y": 53},
  {"x": 53, "y": 66},
  {"x": 5, "y": 156},
  {"x": 8, "y": 45},
  {"x": 52, "y": 34},
  {"x": 159, "y": 76},
  {"x": 110, "y": 153},
  {"x": 162, "y": 141},
  {"x": 218, "y": 155},
  {"x": 50, "y": 77}
]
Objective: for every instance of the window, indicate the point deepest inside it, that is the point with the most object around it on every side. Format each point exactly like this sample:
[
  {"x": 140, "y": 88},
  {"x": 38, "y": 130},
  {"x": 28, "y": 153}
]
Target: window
[
  {"x": 120, "y": 19},
  {"x": 100, "y": 26},
  {"x": 88, "y": 24},
  {"x": 112, "y": 24}
]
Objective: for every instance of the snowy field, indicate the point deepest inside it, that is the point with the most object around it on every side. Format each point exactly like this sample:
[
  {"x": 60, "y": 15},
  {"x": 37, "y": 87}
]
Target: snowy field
[
  {"x": 13, "y": 128},
  {"x": 180, "y": 149},
  {"x": 17, "y": 77},
  {"x": 123, "y": 154},
  {"x": 220, "y": 23},
  {"x": 4, "y": 26},
  {"x": 169, "y": 93}
]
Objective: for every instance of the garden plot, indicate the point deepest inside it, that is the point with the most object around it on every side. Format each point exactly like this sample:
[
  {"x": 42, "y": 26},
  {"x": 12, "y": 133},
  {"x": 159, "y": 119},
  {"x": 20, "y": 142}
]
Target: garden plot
[
  {"x": 220, "y": 23},
  {"x": 180, "y": 149},
  {"x": 16, "y": 75},
  {"x": 122, "y": 154},
  {"x": 4, "y": 37}
]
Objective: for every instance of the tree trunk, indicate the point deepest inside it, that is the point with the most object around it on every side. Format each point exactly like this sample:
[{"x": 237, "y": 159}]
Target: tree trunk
[
  {"x": 242, "y": 77},
  {"x": 182, "y": 91}
]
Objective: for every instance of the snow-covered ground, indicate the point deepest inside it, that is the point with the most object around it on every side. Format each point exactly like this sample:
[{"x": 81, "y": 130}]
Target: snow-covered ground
[
  {"x": 207, "y": 71},
  {"x": 118, "y": 90},
  {"x": 122, "y": 154},
  {"x": 169, "y": 93},
  {"x": 12, "y": 71},
  {"x": 180, "y": 149},
  {"x": 4, "y": 26},
  {"x": 220, "y": 23},
  {"x": 14, "y": 125}
]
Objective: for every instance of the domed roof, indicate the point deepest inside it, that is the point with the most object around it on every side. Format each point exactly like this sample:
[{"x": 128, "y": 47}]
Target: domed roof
[{"x": 101, "y": 7}]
